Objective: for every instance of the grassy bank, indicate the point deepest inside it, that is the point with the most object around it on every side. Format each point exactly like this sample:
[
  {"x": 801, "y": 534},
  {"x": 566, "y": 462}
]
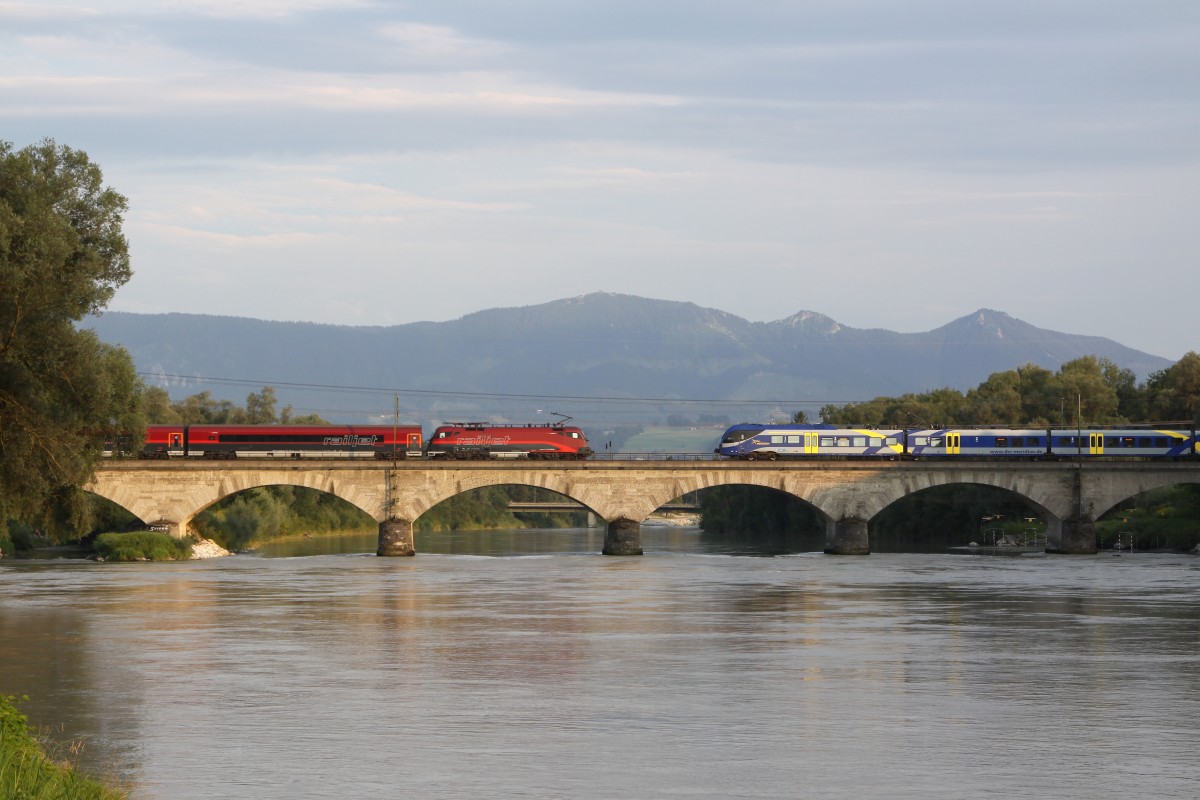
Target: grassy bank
[
  {"x": 28, "y": 773},
  {"x": 142, "y": 546},
  {"x": 291, "y": 537}
]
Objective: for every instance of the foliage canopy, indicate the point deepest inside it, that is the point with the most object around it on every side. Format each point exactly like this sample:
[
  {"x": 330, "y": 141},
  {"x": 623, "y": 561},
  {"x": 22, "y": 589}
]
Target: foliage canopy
[
  {"x": 1087, "y": 391},
  {"x": 63, "y": 392}
]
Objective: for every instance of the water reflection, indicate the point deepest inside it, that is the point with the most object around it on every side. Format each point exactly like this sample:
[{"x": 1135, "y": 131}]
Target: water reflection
[
  {"x": 526, "y": 664},
  {"x": 536, "y": 541}
]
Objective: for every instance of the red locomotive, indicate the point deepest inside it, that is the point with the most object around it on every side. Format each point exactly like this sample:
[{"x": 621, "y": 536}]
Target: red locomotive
[
  {"x": 478, "y": 440},
  {"x": 281, "y": 441}
]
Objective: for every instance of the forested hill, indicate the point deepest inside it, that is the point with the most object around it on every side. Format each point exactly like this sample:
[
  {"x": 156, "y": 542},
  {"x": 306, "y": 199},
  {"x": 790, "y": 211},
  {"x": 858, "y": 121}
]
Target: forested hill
[{"x": 598, "y": 345}]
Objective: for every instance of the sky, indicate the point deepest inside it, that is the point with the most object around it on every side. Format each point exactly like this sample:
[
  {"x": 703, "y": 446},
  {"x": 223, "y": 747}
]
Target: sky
[{"x": 889, "y": 164}]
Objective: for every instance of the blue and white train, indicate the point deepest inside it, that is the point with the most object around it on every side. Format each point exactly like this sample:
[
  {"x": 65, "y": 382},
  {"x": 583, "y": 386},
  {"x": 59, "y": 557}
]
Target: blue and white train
[{"x": 770, "y": 442}]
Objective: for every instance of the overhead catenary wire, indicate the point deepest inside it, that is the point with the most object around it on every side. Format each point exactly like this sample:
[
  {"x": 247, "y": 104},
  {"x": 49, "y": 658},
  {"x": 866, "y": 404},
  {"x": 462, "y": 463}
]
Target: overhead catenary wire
[{"x": 348, "y": 389}]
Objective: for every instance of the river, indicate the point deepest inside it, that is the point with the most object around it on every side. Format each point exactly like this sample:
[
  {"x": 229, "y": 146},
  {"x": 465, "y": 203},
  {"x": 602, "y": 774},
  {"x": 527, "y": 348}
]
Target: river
[{"x": 523, "y": 664}]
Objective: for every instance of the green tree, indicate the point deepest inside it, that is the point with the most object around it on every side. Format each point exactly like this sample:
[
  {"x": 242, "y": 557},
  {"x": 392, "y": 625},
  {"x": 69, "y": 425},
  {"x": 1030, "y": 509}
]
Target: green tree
[
  {"x": 156, "y": 405},
  {"x": 202, "y": 408},
  {"x": 1131, "y": 399},
  {"x": 1041, "y": 398},
  {"x": 1082, "y": 383},
  {"x": 286, "y": 418},
  {"x": 62, "y": 391},
  {"x": 997, "y": 401},
  {"x": 1173, "y": 394},
  {"x": 260, "y": 407}
]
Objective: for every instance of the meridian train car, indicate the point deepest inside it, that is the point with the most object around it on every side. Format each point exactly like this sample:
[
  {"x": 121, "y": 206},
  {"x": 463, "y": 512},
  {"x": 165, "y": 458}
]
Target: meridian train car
[
  {"x": 770, "y": 442},
  {"x": 538, "y": 441}
]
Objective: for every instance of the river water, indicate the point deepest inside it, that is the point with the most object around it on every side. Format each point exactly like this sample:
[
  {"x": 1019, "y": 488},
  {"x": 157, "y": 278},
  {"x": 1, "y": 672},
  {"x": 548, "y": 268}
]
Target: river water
[{"x": 522, "y": 664}]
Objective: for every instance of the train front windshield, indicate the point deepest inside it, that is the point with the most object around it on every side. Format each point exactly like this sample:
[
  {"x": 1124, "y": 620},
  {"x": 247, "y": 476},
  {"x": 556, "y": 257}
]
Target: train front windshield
[{"x": 740, "y": 435}]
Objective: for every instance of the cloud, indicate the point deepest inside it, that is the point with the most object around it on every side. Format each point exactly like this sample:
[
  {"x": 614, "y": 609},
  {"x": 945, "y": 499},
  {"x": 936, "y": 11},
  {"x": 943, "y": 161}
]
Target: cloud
[
  {"x": 432, "y": 45},
  {"x": 239, "y": 9},
  {"x": 758, "y": 158}
]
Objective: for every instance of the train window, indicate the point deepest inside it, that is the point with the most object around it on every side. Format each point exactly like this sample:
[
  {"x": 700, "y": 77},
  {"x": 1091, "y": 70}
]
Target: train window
[
  {"x": 1001, "y": 441},
  {"x": 826, "y": 441},
  {"x": 1128, "y": 442},
  {"x": 891, "y": 440},
  {"x": 876, "y": 442},
  {"x": 843, "y": 441},
  {"x": 859, "y": 441},
  {"x": 794, "y": 440},
  {"x": 1160, "y": 441},
  {"x": 1144, "y": 441},
  {"x": 1112, "y": 441},
  {"x": 935, "y": 441},
  {"x": 920, "y": 441},
  {"x": 777, "y": 439}
]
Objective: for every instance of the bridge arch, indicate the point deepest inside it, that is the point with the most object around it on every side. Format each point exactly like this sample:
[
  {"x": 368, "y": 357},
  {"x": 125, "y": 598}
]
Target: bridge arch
[
  {"x": 416, "y": 501},
  {"x": 1113, "y": 492},
  {"x": 836, "y": 498},
  {"x": 179, "y": 497}
]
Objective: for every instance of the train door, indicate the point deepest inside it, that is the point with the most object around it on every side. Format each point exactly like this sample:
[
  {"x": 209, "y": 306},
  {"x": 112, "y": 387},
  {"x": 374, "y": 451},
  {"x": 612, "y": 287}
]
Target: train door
[
  {"x": 175, "y": 441},
  {"x": 953, "y": 444},
  {"x": 1096, "y": 444},
  {"x": 810, "y": 444},
  {"x": 414, "y": 443}
]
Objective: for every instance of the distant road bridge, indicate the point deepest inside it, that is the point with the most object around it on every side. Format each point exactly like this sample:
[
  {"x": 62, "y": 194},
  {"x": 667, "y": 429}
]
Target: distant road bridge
[
  {"x": 1069, "y": 495},
  {"x": 549, "y": 506}
]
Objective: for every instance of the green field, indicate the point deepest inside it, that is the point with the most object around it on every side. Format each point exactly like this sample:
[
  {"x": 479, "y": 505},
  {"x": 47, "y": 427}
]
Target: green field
[{"x": 674, "y": 440}]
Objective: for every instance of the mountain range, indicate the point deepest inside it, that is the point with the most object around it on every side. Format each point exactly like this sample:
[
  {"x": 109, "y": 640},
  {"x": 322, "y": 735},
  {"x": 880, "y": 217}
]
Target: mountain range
[{"x": 613, "y": 355}]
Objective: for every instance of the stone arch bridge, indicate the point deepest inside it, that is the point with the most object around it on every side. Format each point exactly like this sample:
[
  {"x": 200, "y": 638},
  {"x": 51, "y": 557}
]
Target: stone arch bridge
[{"x": 1070, "y": 495}]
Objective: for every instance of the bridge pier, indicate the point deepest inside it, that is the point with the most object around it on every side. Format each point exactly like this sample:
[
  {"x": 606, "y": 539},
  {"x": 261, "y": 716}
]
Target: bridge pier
[
  {"x": 176, "y": 530},
  {"x": 623, "y": 538},
  {"x": 396, "y": 538},
  {"x": 1075, "y": 536},
  {"x": 847, "y": 537}
]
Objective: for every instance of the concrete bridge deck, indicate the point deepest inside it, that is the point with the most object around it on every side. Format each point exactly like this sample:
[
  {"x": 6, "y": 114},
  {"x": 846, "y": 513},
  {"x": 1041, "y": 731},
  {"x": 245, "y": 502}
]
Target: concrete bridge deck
[{"x": 1070, "y": 495}]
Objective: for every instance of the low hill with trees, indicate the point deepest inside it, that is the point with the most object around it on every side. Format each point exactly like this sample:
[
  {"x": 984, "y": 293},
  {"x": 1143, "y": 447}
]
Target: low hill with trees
[{"x": 494, "y": 364}]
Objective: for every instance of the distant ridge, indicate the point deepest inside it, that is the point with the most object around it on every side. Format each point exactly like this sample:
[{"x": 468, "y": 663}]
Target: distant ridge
[{"x": 596, "y": 345}]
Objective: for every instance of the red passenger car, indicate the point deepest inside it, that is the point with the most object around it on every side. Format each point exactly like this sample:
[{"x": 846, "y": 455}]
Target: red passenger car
[{"x": 281, "y": 441}]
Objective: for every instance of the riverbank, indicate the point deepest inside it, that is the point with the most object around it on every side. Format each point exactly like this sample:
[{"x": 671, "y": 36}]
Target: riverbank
[
  {"x": 26, "y": 770},
  {"x": 297, "y": 537},
  {"x": 201, "y": 548}
]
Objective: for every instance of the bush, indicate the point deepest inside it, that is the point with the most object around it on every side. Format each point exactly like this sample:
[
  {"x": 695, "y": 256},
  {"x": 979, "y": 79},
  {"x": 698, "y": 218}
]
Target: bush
[
  {"x": 142, "y": 546},
  {"x": 27, "y": 772},
  {"x": 22, "y": 537}
]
